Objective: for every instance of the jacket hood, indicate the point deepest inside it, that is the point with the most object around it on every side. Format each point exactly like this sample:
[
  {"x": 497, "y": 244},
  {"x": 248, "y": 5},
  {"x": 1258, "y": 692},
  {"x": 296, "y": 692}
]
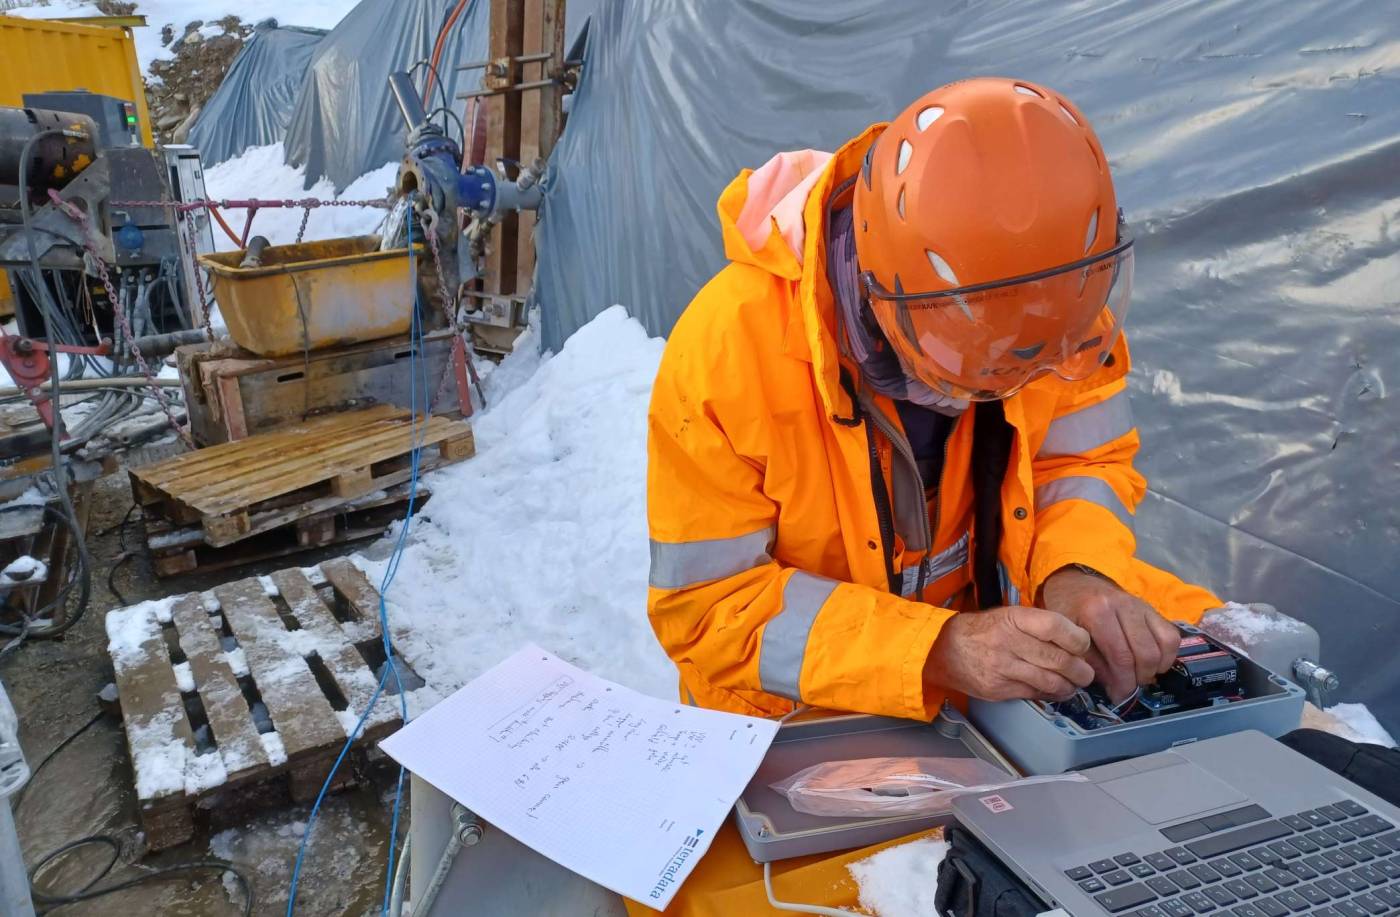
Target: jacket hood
[{"x": 774, "y": 218}]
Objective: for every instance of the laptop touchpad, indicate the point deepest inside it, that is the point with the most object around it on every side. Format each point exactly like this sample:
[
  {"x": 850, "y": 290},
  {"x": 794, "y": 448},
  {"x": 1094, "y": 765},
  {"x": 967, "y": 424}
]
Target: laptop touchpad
[{"x": 1169, "y": 793}]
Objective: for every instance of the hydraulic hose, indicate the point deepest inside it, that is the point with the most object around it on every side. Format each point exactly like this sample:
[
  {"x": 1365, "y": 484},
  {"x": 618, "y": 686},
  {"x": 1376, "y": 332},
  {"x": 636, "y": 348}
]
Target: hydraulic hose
[{"x": 60, "y": 475}]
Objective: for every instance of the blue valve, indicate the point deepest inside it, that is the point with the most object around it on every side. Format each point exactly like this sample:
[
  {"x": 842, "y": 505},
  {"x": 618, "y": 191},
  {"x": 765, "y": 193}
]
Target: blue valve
[
  {"x": 476, "y": 190},
  {"x": 130, "y": 237}
]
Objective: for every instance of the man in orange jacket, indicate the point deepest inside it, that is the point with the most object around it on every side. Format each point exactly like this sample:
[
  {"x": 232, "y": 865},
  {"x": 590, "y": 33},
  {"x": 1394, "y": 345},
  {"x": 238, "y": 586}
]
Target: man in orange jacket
[{"x": 902, "y": 400}]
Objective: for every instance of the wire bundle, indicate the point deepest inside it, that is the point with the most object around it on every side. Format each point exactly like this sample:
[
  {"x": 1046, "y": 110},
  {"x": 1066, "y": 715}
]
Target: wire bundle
[{"x": 418, "y": 373}]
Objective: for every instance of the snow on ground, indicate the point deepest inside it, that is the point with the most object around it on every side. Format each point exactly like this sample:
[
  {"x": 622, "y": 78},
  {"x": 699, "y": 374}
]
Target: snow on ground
[
  {"x": 320, "y": 14},
  {"x": 260, "y": 173},
  {"x": 542, "y": 536},
  {"x": 1350, "y": 721},
  {"x": 900, "y": 881}
]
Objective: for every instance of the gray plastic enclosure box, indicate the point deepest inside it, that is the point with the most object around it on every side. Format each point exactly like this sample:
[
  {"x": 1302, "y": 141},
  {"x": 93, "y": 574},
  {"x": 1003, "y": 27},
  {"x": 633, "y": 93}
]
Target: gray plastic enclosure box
[
  {"x": 1039, "y": 743},
  {"x": 773, "y": 830}
]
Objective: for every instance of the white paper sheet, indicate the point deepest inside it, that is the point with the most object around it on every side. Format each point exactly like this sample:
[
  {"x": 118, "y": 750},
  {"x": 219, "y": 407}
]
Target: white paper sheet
[{"x": 619, "y": 787}]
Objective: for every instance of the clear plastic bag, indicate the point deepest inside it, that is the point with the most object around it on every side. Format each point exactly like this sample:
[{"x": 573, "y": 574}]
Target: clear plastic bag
[{"x": 893, "y": 786}]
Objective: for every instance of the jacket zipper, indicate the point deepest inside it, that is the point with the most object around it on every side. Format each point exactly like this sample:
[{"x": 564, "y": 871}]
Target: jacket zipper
[
  {"x": 906, "y": 452},
  {"x": 882, "y": 506}
]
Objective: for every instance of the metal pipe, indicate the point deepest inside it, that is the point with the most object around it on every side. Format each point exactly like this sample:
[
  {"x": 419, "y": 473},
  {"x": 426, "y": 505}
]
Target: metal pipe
[
  {"x": 400, "y": 879},
  {"x": 467, "y": 832},
  {"x": 409, "y": 102},
  {"x": 517, "y": 87},
  {"x": 519, "y": 59},
  {"x": 87, "y": 385}
]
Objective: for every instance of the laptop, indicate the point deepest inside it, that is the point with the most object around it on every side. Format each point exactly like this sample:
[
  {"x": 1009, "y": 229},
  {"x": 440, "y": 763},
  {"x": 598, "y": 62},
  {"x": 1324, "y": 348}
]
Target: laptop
[{"x": 1235, "y": 826}]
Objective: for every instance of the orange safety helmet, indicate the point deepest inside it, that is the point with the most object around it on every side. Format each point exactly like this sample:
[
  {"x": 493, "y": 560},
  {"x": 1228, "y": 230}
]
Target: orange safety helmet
[{"x": 989, "y": 238}]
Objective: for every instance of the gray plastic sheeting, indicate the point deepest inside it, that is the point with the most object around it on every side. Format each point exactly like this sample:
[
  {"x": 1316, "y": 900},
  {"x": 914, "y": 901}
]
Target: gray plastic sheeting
[
  {"x": 254, "y": 102},
  {"x": 345, "y": 122},
  {"x": 1256, "y": 145}
]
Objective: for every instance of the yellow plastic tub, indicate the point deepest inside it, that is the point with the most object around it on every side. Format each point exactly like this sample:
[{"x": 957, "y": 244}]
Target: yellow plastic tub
[{"x": 313, "y": 295}]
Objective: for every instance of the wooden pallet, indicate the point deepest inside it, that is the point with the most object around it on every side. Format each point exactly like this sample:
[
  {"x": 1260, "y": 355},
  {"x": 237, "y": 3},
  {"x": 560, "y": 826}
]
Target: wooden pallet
[
  {"x": 231, "y": 393},
  {"x": 304, "y": 652},
  {"x": 175, "y": 550},
  {"x": 238, "y": 489}
]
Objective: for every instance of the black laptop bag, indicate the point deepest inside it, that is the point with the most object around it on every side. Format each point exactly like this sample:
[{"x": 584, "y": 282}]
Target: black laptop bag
[
  {"x": 1371, "y": 767},
  {"x": 973, "y": 883}
]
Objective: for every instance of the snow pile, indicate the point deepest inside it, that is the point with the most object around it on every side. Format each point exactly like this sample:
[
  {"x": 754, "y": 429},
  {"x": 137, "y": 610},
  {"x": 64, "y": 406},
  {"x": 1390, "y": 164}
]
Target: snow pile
[
  {"x": 261, "y": 173},
  {"x": 900, "y": 881},
  {"x": 23, "y": 569},
  {"x": 542, "y": 536},
  {"x": 1350, "y": 721},
  {"x": 1248, "y": 623}
]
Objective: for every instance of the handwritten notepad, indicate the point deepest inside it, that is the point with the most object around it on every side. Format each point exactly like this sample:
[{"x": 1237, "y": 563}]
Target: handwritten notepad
[{"x": 619, "y": 787}]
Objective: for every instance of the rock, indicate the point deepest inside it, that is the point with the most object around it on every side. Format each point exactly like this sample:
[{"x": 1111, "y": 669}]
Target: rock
[
  {"x": 181, "y": 134},
  {"x": 169, "y": 120},
  {"x": 167, "y": 35}
]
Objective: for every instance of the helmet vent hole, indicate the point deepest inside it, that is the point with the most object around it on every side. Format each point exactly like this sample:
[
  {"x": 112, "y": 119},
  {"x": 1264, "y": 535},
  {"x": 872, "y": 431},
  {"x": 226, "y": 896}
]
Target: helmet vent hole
[
  {"x": 906, "y": 152},
  {"x": 1089, "y": 236},
  {"x": 901, "y": 203},
  {"x": 1069, "y": 114},
  {"x": 927, "y": 117},
  {"x": 942, "y": 268},
  {"x": 1027, "y": 91}
]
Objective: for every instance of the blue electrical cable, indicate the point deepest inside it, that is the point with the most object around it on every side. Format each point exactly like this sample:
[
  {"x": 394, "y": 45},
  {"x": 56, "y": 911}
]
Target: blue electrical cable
[{"x": 418, "y": 434}]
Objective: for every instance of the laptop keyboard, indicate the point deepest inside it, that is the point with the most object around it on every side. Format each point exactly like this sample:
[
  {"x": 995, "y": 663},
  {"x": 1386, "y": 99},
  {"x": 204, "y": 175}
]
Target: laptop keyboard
[{"x": 1339, "y": 860}]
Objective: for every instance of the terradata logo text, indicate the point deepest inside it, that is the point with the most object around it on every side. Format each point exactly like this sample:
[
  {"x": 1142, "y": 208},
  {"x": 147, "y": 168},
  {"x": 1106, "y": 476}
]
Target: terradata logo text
[{"x": 673, "y": 866}]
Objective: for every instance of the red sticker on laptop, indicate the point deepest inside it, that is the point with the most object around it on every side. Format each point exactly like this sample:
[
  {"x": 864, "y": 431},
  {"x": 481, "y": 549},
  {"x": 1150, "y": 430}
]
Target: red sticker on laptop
[{"x": 995, "y": 804}]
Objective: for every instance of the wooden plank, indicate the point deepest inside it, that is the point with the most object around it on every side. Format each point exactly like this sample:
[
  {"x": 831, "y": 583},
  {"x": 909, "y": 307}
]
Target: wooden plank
[
  {"x": 208, "y": 558},
  {"x": 224, "y": 534},
  {"x": 300, "y": 712},
  {"x": 151, "y": 707},
  {"x": 230, "y": 719},
  {"x": 342, "y": 660},
  {"x": 21, "y": 522},
  {"x": 283, "y": 463},
  {"x": 240, "y": 474},
  {"x": 218, "y": 459},
  {"x": 375, "y": 375},
  {"x": 361, "y": 599}
]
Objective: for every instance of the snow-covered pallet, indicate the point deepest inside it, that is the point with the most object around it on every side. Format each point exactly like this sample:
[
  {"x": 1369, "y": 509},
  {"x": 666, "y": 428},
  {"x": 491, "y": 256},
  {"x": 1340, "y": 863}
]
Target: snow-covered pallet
[
  {"x": 245, "y": 694},
  {"x": 243, "y": 488},
  {"x": 175, "y": 550}
]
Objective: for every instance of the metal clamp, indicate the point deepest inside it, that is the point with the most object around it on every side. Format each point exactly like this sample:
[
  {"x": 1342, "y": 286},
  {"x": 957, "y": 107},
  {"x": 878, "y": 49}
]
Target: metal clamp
[
  {"x": 467, "y": 831},
  {"x": 1317, "y": 681}
]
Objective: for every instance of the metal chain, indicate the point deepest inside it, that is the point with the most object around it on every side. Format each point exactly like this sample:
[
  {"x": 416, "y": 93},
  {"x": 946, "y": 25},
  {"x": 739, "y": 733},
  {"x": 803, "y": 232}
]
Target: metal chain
[
  {"x": 305, "y": 218},
  {"x": 119, "y": 313},
  {"x": 207, "y": 203},
  {"x": 188, "y": 246},
  {"x": 459, "y": 329}
]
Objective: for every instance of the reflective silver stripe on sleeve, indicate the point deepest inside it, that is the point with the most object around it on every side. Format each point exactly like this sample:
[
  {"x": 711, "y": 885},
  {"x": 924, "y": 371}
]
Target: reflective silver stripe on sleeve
[
  {"x": 949, "y": 560},
  {"x": 1089, "y": 428},
  {"x": 675, "y": 565},
  {"x": 1010, "y": 594},
  {"x": 1094, "y": 490},
  {"x": 785, "y": 636}
]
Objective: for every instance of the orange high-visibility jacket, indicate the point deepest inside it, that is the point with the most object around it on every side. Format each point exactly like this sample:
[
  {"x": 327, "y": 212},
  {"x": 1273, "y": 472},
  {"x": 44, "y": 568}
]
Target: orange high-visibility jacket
[{"x": 768, "y": 579}]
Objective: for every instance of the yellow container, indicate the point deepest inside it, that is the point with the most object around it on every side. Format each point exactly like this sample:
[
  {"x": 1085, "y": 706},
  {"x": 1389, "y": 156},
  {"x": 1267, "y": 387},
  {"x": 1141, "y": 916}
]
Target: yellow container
[
  {"x": 39, "y": 55},
  {"x": 313, "y": 295}
]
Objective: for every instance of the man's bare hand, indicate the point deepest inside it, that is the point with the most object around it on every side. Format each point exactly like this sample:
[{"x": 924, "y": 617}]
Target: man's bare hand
[
  {"x": 1010, "y": 653},
  {"x": 1132, "y": 644}
]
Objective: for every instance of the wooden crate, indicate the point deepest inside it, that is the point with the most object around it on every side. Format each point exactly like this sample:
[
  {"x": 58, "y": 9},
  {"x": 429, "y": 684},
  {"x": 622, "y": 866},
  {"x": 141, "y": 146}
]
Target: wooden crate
[
  {"x": 231, "y": 393},
  {"x": 305, "y": 647},
  {"x": 175, "y": 550},
  {"x": 239, "y": 489}
]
